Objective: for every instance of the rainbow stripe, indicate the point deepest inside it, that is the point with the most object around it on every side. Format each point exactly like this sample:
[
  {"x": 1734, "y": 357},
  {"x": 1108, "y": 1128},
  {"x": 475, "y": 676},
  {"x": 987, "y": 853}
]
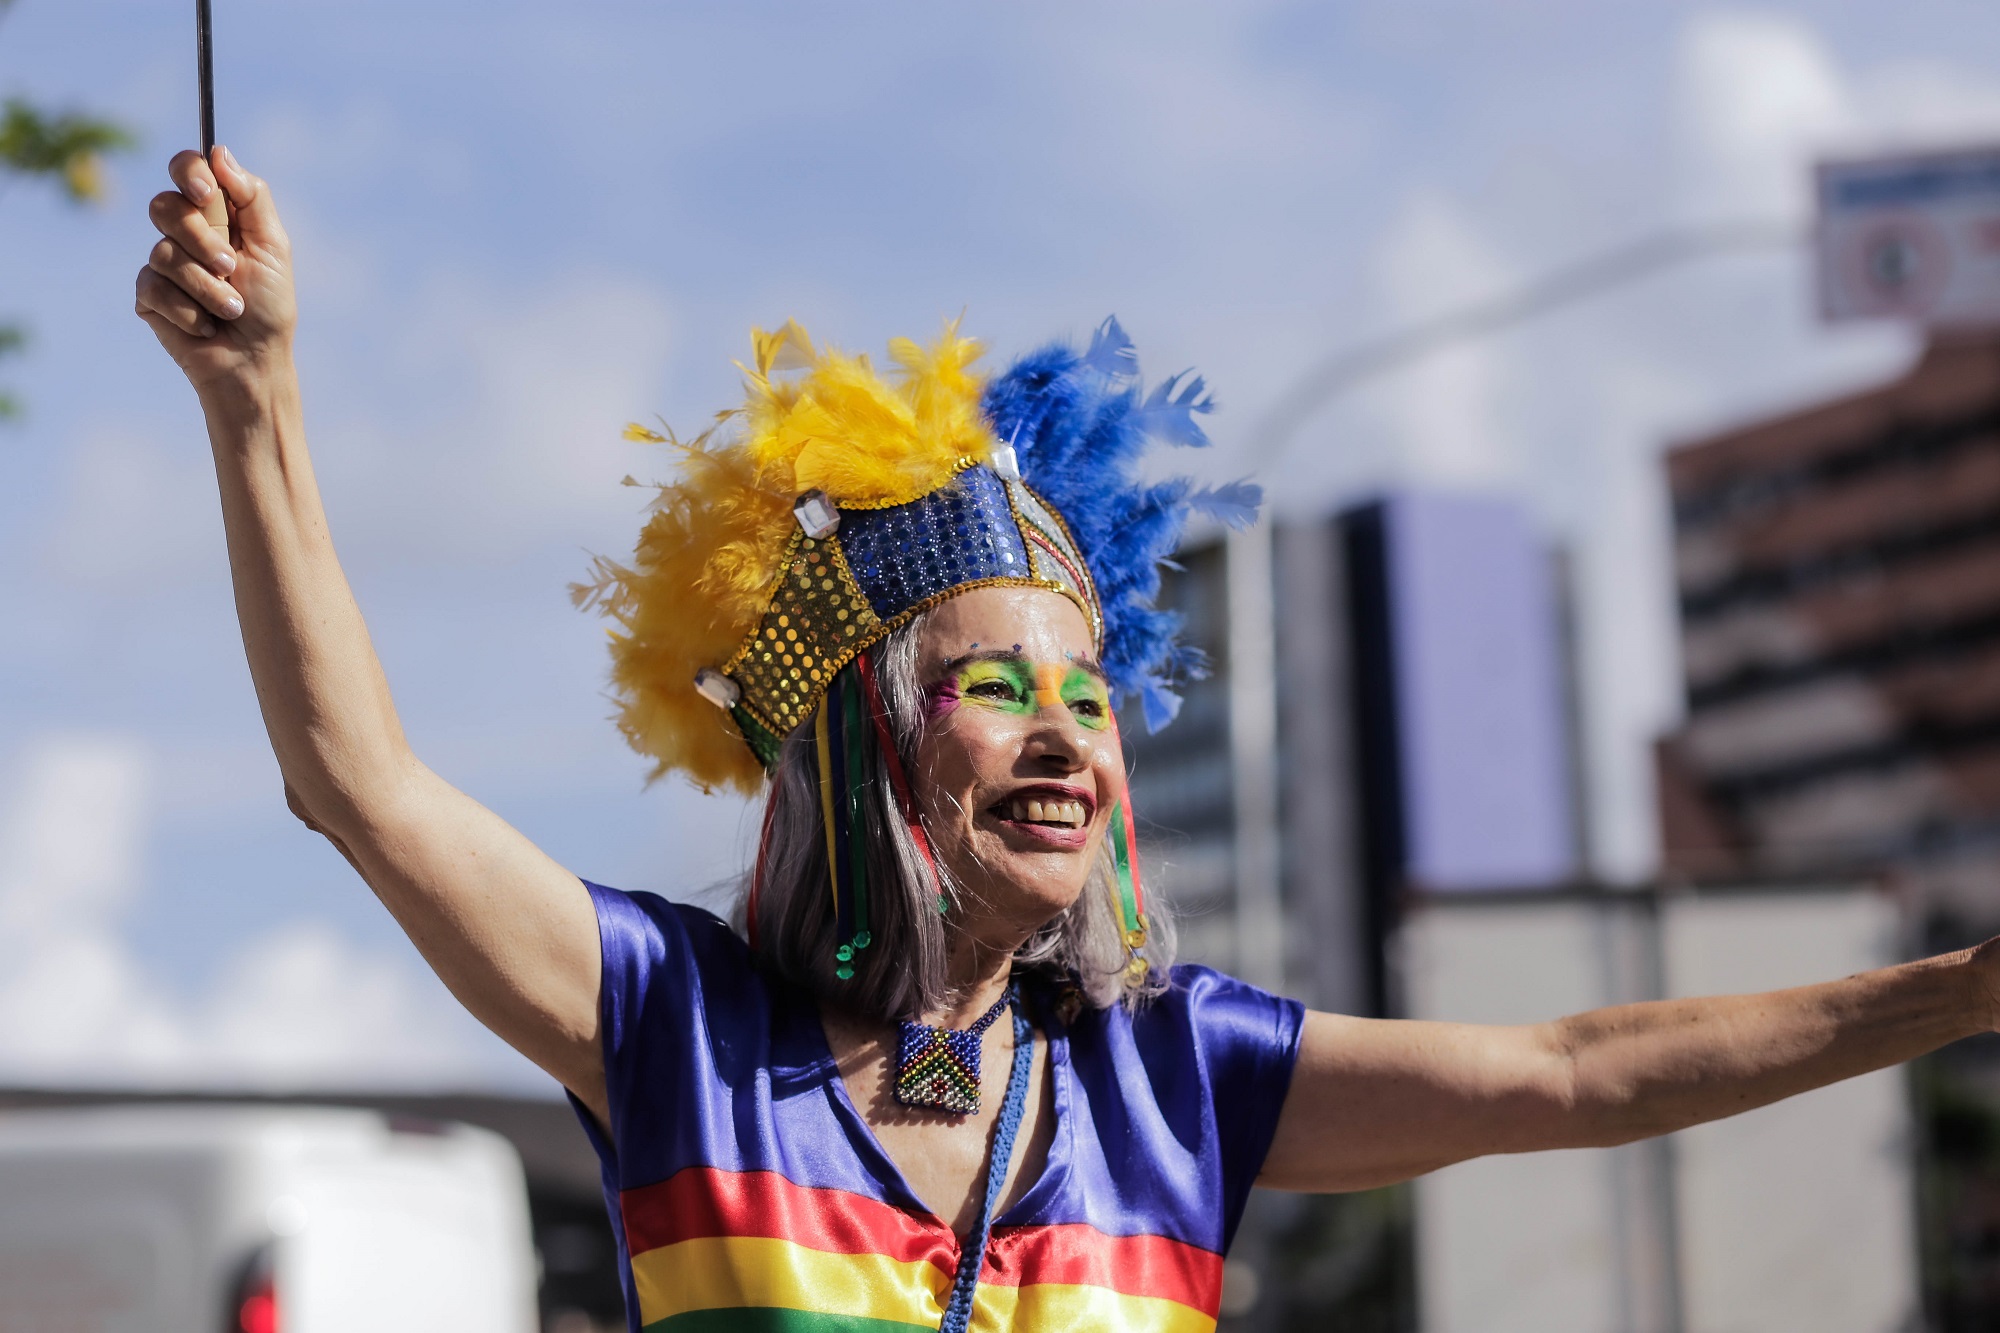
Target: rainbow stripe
[{"x": 713, "y": 1249}]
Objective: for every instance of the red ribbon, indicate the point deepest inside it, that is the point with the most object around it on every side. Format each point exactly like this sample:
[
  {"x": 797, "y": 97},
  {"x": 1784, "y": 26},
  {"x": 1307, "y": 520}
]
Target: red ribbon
[{"x": 878, "y": 714}]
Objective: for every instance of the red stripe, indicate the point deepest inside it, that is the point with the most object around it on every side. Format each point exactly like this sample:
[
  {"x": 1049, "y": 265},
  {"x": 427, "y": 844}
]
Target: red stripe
[
  {"x": 1081, "y": 1255},
  {"x": 1131, "y": 838},
  {"x": 879, "y": 714},
  {"x": 1082, "y": 584},
  {"x": 1132, "y": 854},
  {"x": 702, "y": 1201}
]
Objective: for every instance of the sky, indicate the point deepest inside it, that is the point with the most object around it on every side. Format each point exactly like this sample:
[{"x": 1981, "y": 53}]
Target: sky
[{"x": 518, "y": 227}]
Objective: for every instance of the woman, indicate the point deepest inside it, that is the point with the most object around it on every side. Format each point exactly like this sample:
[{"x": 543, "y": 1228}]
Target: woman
[{"x": 824, "y": 1120}]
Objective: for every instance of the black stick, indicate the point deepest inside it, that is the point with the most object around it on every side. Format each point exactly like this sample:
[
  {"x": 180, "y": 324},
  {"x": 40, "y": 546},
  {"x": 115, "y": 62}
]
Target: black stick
[{"x": 204, "y": 55}]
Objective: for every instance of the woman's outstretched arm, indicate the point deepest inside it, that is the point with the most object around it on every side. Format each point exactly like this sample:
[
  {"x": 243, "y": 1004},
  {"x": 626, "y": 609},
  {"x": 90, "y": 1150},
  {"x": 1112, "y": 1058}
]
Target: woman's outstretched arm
[
  {"x": 1375, "y": 1102},
  {"x": 508, "y": 930}
]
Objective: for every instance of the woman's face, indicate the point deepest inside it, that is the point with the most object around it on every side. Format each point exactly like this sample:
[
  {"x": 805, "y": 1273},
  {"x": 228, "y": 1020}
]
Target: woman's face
[{"x": 1018, "y": 767}]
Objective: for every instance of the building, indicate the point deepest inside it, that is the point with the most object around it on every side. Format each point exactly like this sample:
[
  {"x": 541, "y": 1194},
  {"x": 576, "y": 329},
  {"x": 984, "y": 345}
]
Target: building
[{"x": 1838, "y": 573}]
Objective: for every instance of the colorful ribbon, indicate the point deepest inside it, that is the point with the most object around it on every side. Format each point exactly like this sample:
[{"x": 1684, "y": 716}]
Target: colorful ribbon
[
  {"x": 840, "y": 742},
  {"x": 891, "y": 760},
  {"x": 1128, "y": 894}
]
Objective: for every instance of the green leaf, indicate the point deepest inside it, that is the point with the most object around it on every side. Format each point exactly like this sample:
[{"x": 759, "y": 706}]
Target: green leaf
[
  {"x": 12, "y": 339},
  {"x": 69, "y": 147}
]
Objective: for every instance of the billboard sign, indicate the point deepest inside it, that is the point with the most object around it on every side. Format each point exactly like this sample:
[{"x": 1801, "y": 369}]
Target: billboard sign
[{"x": 1914, "y": 236}]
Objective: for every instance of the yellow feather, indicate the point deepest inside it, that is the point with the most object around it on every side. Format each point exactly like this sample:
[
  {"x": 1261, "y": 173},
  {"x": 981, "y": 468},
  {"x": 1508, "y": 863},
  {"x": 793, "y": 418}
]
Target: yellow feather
[{"x": 710, "y": 549}]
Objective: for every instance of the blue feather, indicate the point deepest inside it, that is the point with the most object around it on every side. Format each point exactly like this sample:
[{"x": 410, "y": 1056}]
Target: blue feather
[
  {"x": 1160, "y": 704},
  {"x": 1111, "y": 352},
  {"x": 1170, "y": 409},
  {"x": 1234, "y": 505}
]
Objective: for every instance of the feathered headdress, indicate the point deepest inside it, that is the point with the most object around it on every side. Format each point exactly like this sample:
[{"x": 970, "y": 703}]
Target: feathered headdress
[{"x": 836, "y": 504}]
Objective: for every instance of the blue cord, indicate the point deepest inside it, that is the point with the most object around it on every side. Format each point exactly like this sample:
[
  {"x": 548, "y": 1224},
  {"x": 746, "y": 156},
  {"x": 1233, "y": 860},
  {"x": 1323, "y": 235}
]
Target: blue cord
[{"x": 958, "y": 1314}]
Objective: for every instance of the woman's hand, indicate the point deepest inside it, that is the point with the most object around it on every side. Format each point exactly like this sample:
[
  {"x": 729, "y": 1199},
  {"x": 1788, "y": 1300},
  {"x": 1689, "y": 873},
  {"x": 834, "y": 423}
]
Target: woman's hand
[{"x": 224, "y": 312}]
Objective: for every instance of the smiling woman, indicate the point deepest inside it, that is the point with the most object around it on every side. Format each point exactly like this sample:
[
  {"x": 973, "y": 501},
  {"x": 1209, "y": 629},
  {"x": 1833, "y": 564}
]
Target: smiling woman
[
  {"x": 923, "y": 675},
  {"x": 904, "y": 610}
]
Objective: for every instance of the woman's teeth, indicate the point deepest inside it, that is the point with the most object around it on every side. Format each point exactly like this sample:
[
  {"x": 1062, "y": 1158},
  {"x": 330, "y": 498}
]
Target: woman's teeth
[{"x": 1027, "y": 809}]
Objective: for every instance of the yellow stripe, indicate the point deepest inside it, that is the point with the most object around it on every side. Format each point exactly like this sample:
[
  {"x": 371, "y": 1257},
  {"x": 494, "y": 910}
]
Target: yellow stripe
[
  {"x": 1049, "y": 1306},
  {"x": 725, "y": 1272},
  {"x": 1048, "y": 685},
  {"x": 824, "y": 742}
]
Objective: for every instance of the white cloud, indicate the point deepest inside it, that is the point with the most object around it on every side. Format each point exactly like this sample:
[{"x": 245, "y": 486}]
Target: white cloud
[
  {"x": 299, "y": 1006},
  {"x": 1759, "y": 94},
  {"x": 70, "y": 844},
  {"x": 302, "y": 1005},
  {"x": 1762, "y": 94},
  {"x": 1447, "y": 410}
]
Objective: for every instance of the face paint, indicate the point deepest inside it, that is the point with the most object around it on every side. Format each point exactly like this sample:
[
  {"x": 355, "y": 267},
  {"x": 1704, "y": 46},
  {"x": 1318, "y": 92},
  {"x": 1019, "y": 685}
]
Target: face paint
[
  {"x": 1012, "y": 685},
  {"x": 1087, "y": 698},
  {"x": 941, "y": 698},
  {"x": 1048, "y": 685},
  {"x": 1005, "y": 683}
]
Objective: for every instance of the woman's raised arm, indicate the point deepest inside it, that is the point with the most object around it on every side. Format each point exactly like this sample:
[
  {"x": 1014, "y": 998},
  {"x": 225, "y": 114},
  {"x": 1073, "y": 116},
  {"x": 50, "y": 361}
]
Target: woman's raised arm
[
  {"x": 1375, "y": 1102},
  {"x": 508, "y": 930}
]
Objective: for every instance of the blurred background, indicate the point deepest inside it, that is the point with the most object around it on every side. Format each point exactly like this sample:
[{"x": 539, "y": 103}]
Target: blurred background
[{"x": 1628, "y": 624}]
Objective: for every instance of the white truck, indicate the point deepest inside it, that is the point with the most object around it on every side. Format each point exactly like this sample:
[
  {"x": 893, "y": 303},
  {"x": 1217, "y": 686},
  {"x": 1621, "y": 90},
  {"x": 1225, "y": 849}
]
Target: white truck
[{"x": 242, "y": 1219}]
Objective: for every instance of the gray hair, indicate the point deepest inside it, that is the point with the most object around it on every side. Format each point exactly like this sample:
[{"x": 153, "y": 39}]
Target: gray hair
[{"x": 902, "y": 973}]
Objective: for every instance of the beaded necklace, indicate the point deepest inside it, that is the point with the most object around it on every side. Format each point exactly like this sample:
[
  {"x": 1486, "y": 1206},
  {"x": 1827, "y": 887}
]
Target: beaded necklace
[{"x": 938, "y": 1068}]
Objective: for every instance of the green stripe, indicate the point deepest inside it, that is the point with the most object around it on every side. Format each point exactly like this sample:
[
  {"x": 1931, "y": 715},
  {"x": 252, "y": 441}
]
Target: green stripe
[
  {"x": 766, "y": 1319},
  {"x": 762, "y": 743},
  {"x": 1121, "y": 857},
  {"x": 856, "y": 735}
]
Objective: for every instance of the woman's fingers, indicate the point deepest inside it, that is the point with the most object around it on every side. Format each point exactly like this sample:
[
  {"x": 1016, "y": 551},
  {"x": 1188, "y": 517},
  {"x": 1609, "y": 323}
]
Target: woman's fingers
[
  {"x": 174, "y": 264},
  {"x": 256, "y": 214},
  {"x": 182, "y": 223},
  {"x": 162, "y": 297},
  {"x": 218, "y": 308},
  {"x": 192, "y": 176}
]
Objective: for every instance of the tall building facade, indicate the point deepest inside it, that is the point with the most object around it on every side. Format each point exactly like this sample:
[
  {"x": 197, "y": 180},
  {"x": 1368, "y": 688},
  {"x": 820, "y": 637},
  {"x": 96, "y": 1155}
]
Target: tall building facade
[{"x": 1838, "y": 573}]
